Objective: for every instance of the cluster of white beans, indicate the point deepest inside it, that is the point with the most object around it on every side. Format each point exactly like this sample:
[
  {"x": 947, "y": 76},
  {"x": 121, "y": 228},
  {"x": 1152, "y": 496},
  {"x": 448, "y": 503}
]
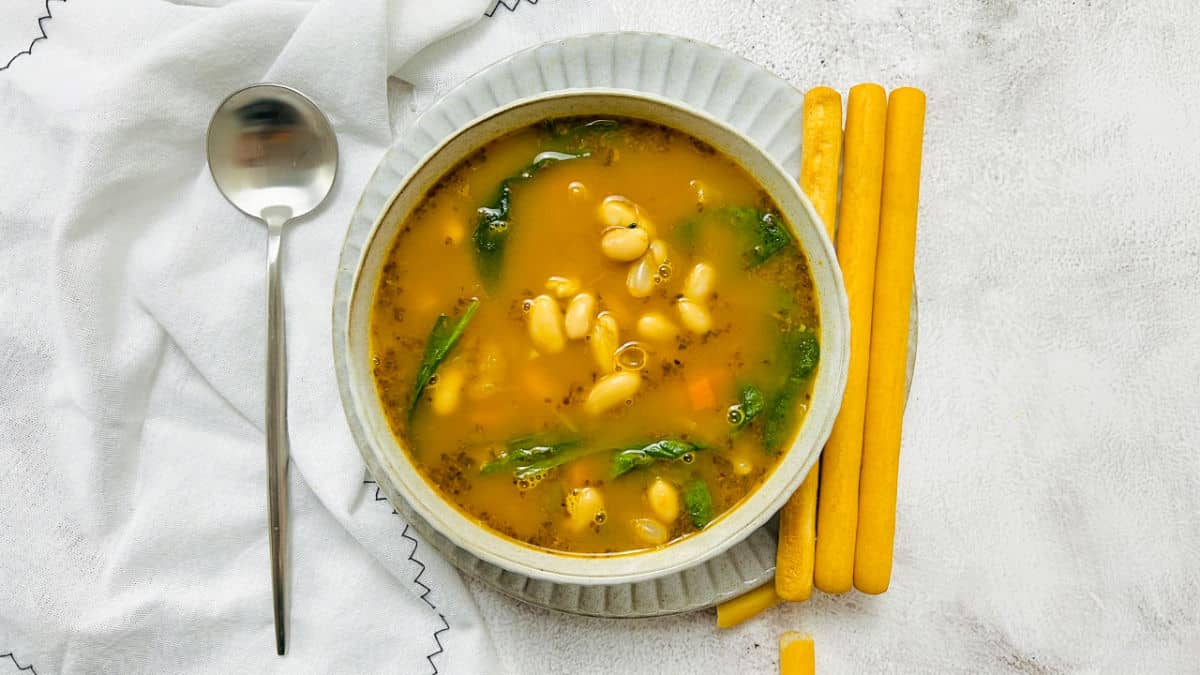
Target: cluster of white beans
[
  {"x": 585, "y": 508},
  {"x": 566, "y": 312},
  {"x": 629, "y": 236}
]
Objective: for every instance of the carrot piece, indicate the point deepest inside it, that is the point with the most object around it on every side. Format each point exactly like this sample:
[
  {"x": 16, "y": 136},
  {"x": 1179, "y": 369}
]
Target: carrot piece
[
  {"x": 701, "y": 394},
  {"x": 889, "y": 340},
  {"x": 797, "y": 655},
  {"x": 819, "y": 179},
  {"x": 736, "y": 610}
]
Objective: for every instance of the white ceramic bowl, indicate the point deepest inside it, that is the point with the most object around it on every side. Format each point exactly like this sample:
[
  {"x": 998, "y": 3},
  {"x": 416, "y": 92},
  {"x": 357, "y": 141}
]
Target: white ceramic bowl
[{"x": 392, "y": 467}]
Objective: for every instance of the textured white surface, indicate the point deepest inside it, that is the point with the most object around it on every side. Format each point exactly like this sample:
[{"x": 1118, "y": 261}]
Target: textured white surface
[
  {"x": 1049, "y": 516},
  {"x": 1050, "y": 487}
]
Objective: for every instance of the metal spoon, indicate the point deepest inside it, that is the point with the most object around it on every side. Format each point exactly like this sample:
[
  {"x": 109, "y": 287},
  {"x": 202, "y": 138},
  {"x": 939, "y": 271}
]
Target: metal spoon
[{"x": 273, "y": 155}]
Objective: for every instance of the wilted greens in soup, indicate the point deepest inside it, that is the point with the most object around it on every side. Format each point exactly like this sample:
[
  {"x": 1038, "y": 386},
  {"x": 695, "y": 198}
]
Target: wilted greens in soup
[{"x": 595, "y": 335}]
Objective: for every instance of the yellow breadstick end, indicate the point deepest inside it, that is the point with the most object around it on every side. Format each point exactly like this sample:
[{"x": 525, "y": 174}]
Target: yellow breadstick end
[
  {"x": 857, "y": 235},
  {"x": 819, "y": 169},
  {"x": 889, "y": 340},
  {"x": 732, "y": 612},
  {"x": 797, "y": 655},
  {"x": 797, "y": 541},
  {"x": 822, "y": 148}
]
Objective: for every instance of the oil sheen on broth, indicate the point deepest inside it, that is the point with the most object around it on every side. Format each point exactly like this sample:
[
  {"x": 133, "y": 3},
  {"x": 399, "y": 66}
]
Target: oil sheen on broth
[{"x": 595, "y": 335}]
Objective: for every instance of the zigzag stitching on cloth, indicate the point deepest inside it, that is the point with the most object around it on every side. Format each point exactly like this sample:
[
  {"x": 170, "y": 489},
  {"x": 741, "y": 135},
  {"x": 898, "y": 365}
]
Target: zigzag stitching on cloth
[
  {"x": 379, "y": 497},
  {"x": 33, "y": 670},
  {"x": 42, "y": 29},
  {"x": 505, "y": 5},
  {"x": 417, "y": 579},
  {"x": 426, "y": 590},
  {"x": 436, "y": 634}
]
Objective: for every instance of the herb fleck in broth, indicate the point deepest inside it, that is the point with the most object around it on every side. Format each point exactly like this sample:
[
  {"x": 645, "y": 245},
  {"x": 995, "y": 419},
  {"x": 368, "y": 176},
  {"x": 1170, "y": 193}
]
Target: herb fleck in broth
[{"x": 616, "y": 421}]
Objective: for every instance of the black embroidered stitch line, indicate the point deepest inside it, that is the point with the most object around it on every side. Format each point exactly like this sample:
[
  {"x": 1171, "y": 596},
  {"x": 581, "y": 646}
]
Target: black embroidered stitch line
[
  {"x": 417, "y": 579},
  {"x": 426, "y": 590},
  {"x": 505, "y": 5},
  {"x": 436, "y": 633},
  {"x": 33, "y": 670},
  {"x": 29, "y": 50},
  {"x": 379, "y": 496}
]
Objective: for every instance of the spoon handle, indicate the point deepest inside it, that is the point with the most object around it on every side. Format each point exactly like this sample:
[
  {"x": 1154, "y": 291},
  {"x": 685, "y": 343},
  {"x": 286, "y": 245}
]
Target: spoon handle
[{"x": 277, "y": 439}]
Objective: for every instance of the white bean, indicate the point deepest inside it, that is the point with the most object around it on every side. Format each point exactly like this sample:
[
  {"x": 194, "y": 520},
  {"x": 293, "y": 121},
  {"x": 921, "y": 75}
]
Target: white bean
[
  {"x": 545, "y": 325},
  {"x": 640, "y": 280},
  {"x": 604, "y": 342},
  {"x": 562, "y": 287},
  {"x": 650, "y": 531},
  {"x": 664, "y": 500},
  {"x": 694, "y": 315},
  {"x": 584, "y": 507},
  {"x": 617, "y": 211},
  {"x": 655, "y": 326},
  {"x": 624, "y": 243},
  {"x": 611, "y": 390},
  {"x": 580, "y": 311},
  {"x": 659, "y": 250},
  {"x": 700, "y": 282},
  {"x": 449, "y": 386}
]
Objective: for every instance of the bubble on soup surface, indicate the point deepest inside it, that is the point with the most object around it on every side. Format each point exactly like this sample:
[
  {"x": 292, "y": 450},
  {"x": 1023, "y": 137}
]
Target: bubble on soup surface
[
  {"x": 631, "y": 356},
  {"x": 736, "y": 416}
]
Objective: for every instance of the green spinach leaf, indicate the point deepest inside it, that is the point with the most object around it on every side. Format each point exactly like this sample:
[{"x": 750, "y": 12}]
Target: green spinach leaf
[
  {"x": 762, "y": 232},
  {"x": 668, "y": 449},
  {"x": 752, "y": 401},
  {"x": 766, "y": 234},
  {"x": 750, "y": 404},
  {"x": 803, "y": 352},
  {"x": 800, "y": 355},
  {"x": 697, "y": 502},
  {"x": 531, "y": 455},
  {"x": 779, "y": 417},
  {"x": 442, "y": 339}
]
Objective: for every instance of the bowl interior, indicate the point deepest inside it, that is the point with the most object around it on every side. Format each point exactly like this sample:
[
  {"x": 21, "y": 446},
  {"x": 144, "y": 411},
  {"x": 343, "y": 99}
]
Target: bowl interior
[{"x": 392, "y": 466}]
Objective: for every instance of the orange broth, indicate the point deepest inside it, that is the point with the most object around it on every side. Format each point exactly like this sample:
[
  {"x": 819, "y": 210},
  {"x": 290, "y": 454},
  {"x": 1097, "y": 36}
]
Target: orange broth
[{"x": 504, "y": 429}]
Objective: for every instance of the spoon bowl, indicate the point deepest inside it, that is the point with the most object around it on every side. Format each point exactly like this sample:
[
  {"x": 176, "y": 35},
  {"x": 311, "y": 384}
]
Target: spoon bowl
[{"x": 269, "y": 146}]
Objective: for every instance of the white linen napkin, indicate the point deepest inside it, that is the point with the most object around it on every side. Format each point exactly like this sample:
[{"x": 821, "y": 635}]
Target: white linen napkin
[{"x": 134, "y": 534}]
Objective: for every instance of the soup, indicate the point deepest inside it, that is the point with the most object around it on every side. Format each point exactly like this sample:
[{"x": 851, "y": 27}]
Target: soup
[{"x": 595, "y": 335}]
